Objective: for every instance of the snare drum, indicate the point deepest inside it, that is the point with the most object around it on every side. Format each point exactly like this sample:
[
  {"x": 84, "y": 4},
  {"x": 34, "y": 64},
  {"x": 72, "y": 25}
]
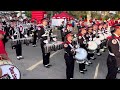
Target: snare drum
[
  {"x": 81, "y": 54},
  {"x": 101, "y": 37},
  {"x": 97, "y": 40},
  {"x": 92, "y": 45},
  {"x": 8, "y": 70}
]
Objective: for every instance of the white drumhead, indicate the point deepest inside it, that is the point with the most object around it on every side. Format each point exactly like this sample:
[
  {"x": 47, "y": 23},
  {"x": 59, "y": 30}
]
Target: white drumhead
[
  {"x": 11, "y": 71},
  {"x": 97, "y": 40},
  {"x": 92, "y": 45},
  {"x": 101, "y": 37},
  {"x": 81, "y": 54}
]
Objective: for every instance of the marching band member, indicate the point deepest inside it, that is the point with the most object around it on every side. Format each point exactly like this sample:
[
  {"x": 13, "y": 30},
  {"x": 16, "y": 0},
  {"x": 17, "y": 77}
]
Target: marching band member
[
  {"x": 69, "y": 56},
  {"x": 89, "y": 37},
  {"x": 34, "y": 36},
  {"x": 46, "y": 56},
  {"x": 100, "y": 31},
  {"x": 113, "y": 60},
  {"x": 106, "y": 31},
  {"x": 3, "y": 53},
  {"x": 62, "y": 31},
  {"x": 18, "y": 46},
  {"x": 11, "y": 33},
  {"x": 82, "y": 42},
  {"x": 96, "y": 34}
]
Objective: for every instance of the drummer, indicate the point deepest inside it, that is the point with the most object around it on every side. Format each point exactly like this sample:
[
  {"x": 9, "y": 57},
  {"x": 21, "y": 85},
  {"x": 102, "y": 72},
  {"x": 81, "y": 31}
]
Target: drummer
[
  {"x": 3, "y": 53},
  {"x": 68, "y": 56},
  {"x": 82, "y": 42},
  {"x": 100, "y": 31},
  {"x": 90, "y": 37},
  {"x": 96, "y": 34}
]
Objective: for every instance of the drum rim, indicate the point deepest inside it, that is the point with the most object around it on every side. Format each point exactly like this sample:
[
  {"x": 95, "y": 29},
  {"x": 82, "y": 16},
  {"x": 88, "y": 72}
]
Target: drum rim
[{"x": 14, "y": 66}]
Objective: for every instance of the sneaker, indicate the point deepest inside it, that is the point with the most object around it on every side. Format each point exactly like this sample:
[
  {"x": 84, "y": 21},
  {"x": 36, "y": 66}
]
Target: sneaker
[
  {"x": 71, "y": 78},
  {"x": 18, "y": 57}
]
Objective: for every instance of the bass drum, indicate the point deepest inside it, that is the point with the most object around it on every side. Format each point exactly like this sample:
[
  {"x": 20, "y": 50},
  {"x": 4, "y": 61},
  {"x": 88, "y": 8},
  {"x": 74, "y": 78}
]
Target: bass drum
[
  {"x": 8, "y": 70},
  {"x": 81, "y": 54},
  {"x": 92, "y": 45}
]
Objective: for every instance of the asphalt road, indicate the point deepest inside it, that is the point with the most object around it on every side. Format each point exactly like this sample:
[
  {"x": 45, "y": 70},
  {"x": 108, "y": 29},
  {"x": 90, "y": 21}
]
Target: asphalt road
[{"x": 31, "y": 66}]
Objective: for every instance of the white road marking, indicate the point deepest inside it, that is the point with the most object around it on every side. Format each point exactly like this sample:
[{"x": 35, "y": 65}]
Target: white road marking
[
  {"x": 40, "y": 62},
  {"x": 96, "y": 71}
]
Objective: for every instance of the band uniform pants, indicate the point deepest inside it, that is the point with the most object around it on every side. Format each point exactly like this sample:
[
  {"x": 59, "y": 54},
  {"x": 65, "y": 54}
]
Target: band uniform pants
[
  {"x": 69, "y": 66},
  {"x": 62, "y": 35},
  {"x": 34, "y": 39},
  {"x": 81, "y": 66},
  {"x": 18, "y": 48},
  {"x": 112, "y": 67},
  {"x": 90, "y": 55},
  {"x": 46, "y": 56}
]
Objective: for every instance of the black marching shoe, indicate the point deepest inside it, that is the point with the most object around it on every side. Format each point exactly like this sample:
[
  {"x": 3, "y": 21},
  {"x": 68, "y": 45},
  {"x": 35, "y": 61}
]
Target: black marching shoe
[
  {"x": 82, "y": 72},
  {"x": 47, "y": 66},
  {"x": 34, "y": 45},
  {"x": 21, "y": 57},
  {"x": 84, "y": 69},
  {"x": 18, "y": 58},
  {"x": 118, "y": 71},
  {"x": 98, "y": 54},
  {"x": 93, "y": 58}
]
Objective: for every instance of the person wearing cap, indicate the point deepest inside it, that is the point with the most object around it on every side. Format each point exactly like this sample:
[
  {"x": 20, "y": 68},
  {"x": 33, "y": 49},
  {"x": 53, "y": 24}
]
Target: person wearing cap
[
  {"x": 62, "y": 30},
  {"x": 34, "y": 36},
  {"x": 101, "y": 31},
  {"x": 41, "y": 32},
  {"x": 113, "y": 45},
  {"x": 18, "y": 46},
  {"x": 67, "y": 30},
  {"x": 89, "y": 37},
  {"x": 106, "y": 31},
  {"x": 96, "y": 35},
  {"x": 69, "y": 56},
  {"x": 3, "y": 53},
  {"x": 82, "y": 42}
]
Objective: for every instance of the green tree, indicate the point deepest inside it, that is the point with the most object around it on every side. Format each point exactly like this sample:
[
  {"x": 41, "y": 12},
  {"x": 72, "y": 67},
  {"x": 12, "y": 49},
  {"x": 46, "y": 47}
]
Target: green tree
[{"x": 28, "y": 14}]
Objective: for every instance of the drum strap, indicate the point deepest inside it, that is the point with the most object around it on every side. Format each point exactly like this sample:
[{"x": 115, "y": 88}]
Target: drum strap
[{"x": 71, "y": 46}]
